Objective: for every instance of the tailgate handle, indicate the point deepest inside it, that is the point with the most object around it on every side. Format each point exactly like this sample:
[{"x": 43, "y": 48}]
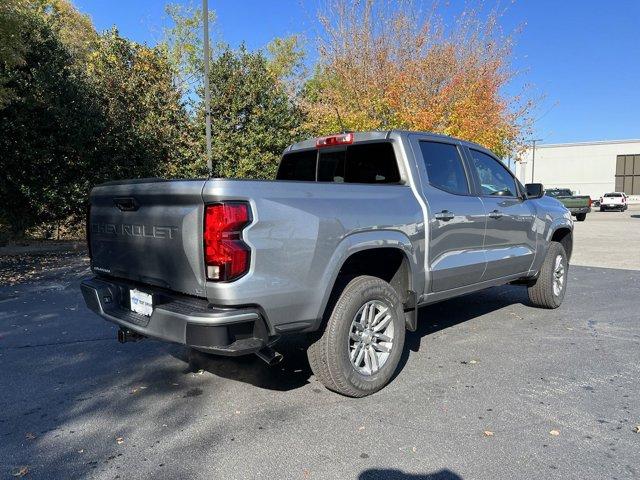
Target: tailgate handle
[{"x": 126, "y": 204}]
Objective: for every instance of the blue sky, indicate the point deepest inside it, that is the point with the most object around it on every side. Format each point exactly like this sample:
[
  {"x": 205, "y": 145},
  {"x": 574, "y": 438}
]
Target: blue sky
[{"x": 583, "y": 57}]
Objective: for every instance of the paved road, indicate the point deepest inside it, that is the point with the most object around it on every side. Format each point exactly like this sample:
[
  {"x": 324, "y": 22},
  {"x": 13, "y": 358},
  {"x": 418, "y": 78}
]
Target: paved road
[
  {"x": 76, "y": 404},
  {"x": 609, "y": 239}
]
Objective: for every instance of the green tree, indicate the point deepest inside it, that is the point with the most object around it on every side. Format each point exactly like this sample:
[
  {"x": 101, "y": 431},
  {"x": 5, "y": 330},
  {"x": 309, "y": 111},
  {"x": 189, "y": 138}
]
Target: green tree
[
  {"x": 82, "y": 108},
  {"x": 252, "y": 116},
  {"x": 47, "y": 130},
  {"x": 254, "y": 108},
  {"x": 185, "y": 46},
  {"x": 12, "y": 46},
  {"x": 148, "y": 131},
  {"x": 286, "y": 62}
]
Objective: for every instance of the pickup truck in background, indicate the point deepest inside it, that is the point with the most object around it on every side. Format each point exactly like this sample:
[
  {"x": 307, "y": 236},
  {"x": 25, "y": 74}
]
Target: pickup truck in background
[
  {"x": 614, "y": 201},
  {"x": 578, "y": 205},
  {"x": 357, "y": 231}
]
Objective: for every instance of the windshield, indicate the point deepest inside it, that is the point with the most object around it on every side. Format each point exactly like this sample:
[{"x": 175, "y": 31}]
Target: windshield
[{"x": 558, "y": 192}]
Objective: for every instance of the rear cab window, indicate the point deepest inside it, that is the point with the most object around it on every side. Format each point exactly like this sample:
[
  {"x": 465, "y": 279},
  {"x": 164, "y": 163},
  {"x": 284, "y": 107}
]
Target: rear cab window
[
  {"x": 557, "y": 192},
  {"x": 298, "y": 166},
  {"x": 372, "y": 163}
]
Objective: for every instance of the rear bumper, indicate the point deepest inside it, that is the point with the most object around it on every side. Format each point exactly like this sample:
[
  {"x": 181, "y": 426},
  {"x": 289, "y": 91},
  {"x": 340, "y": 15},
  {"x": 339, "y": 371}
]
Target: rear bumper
[
  {"x": 578, "y": 210},
  {"x": 179, "y": 318},
  {"x": 614, "y": 206}
]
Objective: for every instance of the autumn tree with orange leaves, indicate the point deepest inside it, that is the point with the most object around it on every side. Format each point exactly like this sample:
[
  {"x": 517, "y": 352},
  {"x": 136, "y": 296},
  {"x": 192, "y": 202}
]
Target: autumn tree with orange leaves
[{"x": 385, "y": 65}]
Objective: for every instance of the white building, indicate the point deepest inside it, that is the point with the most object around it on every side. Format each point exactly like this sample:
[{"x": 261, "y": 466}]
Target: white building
[{"x": 588, "y": 168}]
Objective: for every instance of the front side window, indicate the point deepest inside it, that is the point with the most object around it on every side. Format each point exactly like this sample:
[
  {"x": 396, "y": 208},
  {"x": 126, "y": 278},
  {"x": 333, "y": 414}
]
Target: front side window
[
  {"x": 495, "y": 179},
  {"x": 444, "y": 167}
]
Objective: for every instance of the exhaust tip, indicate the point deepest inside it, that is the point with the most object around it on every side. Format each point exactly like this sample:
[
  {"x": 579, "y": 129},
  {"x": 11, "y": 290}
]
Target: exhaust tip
[{"x": 269, "y": 356}]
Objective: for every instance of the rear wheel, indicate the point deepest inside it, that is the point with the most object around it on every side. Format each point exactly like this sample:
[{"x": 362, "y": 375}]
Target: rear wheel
[
  {"x": 550, "y": 286},
  {"x": 581, "y": 217},
  {"x": 359, "y": 350}
]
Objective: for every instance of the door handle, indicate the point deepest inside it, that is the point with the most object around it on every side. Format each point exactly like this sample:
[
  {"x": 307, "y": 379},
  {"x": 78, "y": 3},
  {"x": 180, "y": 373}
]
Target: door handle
[
  {"x": 444, "y": 215},
  {"x": 495, "y": 214}
]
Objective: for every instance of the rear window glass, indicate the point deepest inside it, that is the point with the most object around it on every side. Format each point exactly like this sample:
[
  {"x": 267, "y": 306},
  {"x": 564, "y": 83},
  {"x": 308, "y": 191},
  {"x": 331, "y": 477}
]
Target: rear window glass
[
  {"x": 558, "y": 193},
  {"x": 613, "y": 195},
  {"x": 298, "y": 166},
  {"x": 360, "y": 163}
]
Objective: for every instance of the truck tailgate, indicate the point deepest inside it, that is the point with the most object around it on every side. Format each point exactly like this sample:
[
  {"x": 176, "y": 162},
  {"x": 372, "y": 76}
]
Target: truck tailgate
[
  {"x": 149, "y": 231},
  {"x": 575, "y": 201}
]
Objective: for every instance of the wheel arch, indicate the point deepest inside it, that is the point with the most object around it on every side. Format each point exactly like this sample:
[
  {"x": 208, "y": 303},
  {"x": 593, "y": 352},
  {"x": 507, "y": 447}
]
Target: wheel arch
[
  {"x": 564, "y": 236},
  {"x": 388, "y": 255}
]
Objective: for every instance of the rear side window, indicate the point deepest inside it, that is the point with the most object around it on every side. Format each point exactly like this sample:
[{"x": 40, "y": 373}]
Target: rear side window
[
  {"x": 298, "y": 166},
  {"x": 494, "y": 177},
  {"x": 359, "y": 163},
  {"x": 444, "y": 167}
]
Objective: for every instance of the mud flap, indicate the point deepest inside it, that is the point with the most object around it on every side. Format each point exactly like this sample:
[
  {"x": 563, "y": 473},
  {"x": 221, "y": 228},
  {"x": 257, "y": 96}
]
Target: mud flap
[{"x": 411, "y": 312}]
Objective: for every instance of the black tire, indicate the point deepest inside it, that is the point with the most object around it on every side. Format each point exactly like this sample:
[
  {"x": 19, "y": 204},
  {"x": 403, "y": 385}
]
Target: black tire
[
  {"x": 601, "y": 209},
  {"x": 329, "y": 354},
  {"x": 581, "y": 217},
  {"x": 542, "y": 293}
]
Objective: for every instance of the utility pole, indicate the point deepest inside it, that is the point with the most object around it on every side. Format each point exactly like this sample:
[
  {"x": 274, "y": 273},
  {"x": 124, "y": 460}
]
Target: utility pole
[
  {"x": 533, "y": 157},
  {"x": 207, "y": 94}
]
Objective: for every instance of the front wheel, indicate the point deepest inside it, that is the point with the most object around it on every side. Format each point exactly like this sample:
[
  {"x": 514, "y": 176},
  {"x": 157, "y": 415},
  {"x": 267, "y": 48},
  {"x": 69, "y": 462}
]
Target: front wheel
[
  {"x": 550, "y": 286},
  {"x": 360, "y": 348},
  {"x": 581, "y": 217}
]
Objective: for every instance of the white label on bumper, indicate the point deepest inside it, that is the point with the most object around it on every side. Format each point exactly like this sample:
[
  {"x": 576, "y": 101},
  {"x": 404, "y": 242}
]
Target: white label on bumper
[{"x": 141, "y": 302}]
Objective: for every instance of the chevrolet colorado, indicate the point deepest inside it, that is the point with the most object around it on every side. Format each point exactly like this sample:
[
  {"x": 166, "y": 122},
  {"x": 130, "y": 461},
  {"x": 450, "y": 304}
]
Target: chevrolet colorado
[{"x": 357, "y": 231}]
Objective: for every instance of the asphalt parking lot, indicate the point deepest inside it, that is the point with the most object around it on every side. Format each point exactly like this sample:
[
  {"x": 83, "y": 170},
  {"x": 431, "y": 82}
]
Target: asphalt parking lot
[
  {"x": 609, "y": 239},
  {"x": 489, "y": 388}
]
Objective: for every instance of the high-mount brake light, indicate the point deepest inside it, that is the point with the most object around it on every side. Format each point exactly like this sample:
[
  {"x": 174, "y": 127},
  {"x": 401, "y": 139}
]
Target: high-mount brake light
[
  {"x": 334, "y": 140},
  {"x": 226, "y": 256}
]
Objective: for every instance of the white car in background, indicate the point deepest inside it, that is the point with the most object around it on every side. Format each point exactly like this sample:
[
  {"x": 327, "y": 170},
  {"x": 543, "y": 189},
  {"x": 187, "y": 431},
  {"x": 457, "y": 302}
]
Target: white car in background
[{"x": 614, "y": 201}]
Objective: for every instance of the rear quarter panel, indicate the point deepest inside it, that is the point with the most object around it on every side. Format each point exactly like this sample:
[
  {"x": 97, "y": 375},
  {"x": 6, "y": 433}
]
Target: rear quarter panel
[{"x": 301, "y": 234}]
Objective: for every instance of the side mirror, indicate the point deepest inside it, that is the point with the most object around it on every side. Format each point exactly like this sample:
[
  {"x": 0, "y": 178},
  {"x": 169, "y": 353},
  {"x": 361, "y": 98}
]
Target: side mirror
[{"x": 534, "y": 190}]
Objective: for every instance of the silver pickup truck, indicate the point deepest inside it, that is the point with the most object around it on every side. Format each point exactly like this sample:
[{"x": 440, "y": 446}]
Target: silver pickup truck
[{"x": 357, "y": 232}]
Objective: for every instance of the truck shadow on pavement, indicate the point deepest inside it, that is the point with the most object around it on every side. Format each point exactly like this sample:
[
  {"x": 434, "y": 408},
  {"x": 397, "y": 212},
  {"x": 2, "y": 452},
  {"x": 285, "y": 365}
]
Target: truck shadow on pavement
[
  {"x": 294, "y": 371},
  {"x": 392, "y": 474}
]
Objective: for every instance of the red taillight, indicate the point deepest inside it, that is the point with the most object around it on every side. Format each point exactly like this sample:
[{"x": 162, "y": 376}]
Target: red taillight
[
  {"x": 226, "y": 256},
  {"x": 589, "y": 202},
  {"x": 333, "y": 140}
]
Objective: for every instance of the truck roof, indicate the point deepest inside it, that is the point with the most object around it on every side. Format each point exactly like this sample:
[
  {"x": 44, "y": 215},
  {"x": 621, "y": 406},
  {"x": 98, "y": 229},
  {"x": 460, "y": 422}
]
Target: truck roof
[{"x": 373, "y": 135}]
